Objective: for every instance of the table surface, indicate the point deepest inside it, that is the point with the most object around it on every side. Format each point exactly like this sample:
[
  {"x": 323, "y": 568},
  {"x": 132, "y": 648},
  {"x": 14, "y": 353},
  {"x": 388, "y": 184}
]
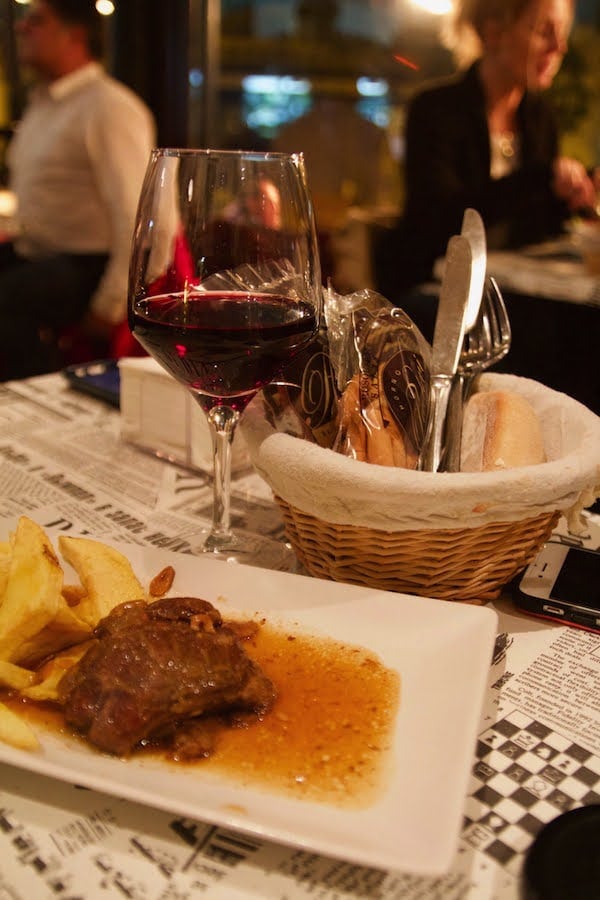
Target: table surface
[
  {"x": 553, "y": 304},
  {"x": 554, "y": 270},
  {"x": 62, "y": 461}
]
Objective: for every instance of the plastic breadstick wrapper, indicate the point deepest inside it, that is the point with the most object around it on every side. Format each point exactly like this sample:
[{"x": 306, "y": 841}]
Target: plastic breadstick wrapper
[{"x": 383, "y": 361}]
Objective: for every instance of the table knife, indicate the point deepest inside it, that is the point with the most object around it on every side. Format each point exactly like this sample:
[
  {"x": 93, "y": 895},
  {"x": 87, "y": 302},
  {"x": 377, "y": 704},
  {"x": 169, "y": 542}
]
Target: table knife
[
  {"x": 474, "y": 230},
  {"x": 447, "y": 343}
]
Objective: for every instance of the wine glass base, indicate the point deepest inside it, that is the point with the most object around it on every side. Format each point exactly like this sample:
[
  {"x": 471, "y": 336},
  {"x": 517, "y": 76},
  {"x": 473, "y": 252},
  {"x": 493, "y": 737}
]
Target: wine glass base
[{"x": 250, "y": 550}]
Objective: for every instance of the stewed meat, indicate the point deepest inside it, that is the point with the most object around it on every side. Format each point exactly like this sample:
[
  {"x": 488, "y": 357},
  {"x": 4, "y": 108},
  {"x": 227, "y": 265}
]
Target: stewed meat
[{"x": 152, "y": 667}]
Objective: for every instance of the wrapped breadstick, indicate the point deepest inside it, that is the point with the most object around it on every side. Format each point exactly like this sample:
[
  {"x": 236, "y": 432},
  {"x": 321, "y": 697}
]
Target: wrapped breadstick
[
  {"x": 362, "y": 388},
  {"x": 384, "y": 406},
  {"x": 353, "y": 436}
]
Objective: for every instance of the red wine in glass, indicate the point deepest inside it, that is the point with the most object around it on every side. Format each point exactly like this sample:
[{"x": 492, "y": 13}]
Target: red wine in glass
[
  {"x": 224, "y": 346},
  {"x": 224, "y": 290}
]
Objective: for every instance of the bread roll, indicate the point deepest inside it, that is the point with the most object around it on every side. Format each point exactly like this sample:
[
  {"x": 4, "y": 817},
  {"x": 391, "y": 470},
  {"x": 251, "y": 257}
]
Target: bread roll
[{"x": 501, "y": 430}]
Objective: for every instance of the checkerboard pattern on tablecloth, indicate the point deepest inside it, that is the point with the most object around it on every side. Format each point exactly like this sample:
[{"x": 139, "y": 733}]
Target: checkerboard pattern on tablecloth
[{"x": 525, "y": 775}]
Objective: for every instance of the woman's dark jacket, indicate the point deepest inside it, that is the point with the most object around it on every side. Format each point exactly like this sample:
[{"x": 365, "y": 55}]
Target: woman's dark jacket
[{"x": 447, "y": 169}]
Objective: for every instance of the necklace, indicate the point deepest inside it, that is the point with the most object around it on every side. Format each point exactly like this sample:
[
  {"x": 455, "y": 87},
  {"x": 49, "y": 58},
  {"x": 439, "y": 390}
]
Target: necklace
[
  {"x": 506, "y": 144},
  {"x": 505, "y": 153}
]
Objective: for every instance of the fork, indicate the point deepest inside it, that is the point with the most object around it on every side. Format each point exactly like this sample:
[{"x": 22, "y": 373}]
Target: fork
[{"x": 486, "y": 344}]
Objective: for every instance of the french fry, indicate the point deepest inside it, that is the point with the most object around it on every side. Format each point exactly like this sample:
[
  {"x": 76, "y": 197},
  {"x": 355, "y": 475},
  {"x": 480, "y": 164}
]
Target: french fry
[
  {"x": 66, "y": 629},
  {"x": 5, "y": 554},
  {"x": 73, "y": 593},
  {"x": 33, "y": 588},
  {"x": 105, "y": 573},
  {"x": 15, "y": 731},
  {"x": 15, "y": 677},
  {"x": 52, "y": 672}
]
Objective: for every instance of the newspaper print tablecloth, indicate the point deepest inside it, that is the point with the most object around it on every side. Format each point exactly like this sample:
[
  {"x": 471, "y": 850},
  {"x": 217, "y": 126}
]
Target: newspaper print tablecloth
[{"x": 538, "y": 752}]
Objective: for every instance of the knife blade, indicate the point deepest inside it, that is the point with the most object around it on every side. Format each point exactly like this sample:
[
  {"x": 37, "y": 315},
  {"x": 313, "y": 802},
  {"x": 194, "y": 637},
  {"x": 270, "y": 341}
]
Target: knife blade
[
  {"x": 474, "y": 230},
  {"x": 447, "y": 343}
]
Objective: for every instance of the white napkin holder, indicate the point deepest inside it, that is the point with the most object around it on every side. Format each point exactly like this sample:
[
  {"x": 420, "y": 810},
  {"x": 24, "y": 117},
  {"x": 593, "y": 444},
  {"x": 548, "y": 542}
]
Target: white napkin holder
[{"x": 159, "y": 415}]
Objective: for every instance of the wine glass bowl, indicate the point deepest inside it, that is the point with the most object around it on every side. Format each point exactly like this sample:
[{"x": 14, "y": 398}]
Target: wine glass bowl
[
  {"x": 223, "y": 345},
  {"x": 225, "y": 284}
]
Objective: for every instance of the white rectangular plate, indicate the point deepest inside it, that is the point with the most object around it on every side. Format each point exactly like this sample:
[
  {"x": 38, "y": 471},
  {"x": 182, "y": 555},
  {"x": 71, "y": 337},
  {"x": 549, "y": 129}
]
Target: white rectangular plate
[{"x": 442, "y": 652}]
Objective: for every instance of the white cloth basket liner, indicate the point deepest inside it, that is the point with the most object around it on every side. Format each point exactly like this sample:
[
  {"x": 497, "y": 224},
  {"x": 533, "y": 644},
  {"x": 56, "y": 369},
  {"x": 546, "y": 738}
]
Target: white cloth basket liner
[{"x": 344, "y": 491}]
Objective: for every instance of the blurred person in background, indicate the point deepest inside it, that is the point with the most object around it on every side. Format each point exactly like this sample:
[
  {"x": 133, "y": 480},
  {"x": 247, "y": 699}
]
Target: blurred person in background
[
  {"x": 486, "y": 138},
  {"x": 76, "y": 165}
]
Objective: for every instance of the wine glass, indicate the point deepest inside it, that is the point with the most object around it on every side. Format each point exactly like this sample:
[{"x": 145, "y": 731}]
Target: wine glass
[{"x": 224, "y": 289}]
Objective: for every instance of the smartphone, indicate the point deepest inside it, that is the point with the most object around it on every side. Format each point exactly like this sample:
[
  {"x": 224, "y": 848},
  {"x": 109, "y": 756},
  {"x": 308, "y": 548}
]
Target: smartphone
[
  {"x": 562, "y": 584},
  {"x": 98, "y": 379}
]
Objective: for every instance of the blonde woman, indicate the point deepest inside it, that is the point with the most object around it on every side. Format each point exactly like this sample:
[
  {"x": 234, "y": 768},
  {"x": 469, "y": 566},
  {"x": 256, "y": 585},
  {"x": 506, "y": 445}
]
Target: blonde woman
[{"x": 487, "y": 138}]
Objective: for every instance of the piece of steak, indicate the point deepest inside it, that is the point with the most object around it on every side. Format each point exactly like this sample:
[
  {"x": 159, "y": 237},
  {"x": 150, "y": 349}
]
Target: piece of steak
[{"x": 155, "y": 665}]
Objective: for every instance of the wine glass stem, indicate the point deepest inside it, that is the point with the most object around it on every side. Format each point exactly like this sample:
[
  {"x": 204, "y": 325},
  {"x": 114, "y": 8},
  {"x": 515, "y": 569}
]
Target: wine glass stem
[{"x": 222, "y": 421}]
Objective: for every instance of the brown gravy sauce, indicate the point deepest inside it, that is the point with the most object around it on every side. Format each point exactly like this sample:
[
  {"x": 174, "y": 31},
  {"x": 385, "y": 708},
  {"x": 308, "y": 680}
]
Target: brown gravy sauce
[{"x": 326, "y": 739}]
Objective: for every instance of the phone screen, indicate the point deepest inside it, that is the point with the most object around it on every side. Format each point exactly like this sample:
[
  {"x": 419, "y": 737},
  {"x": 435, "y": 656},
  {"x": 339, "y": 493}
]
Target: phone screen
[
  {"x": 99, "y": 379},
  {"x": 579, "y": 579}
]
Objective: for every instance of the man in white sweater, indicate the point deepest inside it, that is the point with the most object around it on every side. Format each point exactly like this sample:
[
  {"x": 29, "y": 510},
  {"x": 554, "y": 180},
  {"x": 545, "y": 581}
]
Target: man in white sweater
[{"x": 76, "y": 165}]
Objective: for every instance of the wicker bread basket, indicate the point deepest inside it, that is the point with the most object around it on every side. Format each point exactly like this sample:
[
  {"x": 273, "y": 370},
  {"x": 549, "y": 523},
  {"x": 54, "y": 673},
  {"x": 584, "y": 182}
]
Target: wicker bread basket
[{"x": 455, "y": 536}]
